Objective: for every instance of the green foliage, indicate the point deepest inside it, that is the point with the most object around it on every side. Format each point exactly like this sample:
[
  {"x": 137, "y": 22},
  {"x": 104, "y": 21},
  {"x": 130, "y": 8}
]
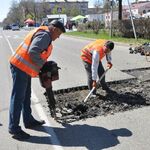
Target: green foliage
[
  {"x": 104, "y": 34},
  {"x": 89, "y": 34},
  {"x": 29, "y": 16},
  {"x": 55, "y": 10},
  {"x": 74, "y": 11},
  {"x": 82, "y": 27},
  {"x": 124, "y": 28},
  {"x": 93, "y": 25}
]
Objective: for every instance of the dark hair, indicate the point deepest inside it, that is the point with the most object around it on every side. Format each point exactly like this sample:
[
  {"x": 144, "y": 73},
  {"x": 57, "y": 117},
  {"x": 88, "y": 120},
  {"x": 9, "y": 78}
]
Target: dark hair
[
  {"x": 58, "y": 24},
  {"x": 110, "y": 45}
]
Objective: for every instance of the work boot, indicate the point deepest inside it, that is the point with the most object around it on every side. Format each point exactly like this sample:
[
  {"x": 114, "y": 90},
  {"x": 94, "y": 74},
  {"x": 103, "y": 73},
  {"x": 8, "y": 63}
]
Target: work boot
[
  {"x": 20, "y": 135},
  {"x": 34, "y": 124}
]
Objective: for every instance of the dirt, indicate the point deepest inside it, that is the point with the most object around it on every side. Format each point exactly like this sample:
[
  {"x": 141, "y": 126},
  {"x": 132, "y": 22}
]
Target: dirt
[{"x": 125, "y": 95}]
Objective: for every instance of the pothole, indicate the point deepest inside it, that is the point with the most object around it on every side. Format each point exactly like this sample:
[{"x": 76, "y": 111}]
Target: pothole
[{"x": 126, "y": 95}]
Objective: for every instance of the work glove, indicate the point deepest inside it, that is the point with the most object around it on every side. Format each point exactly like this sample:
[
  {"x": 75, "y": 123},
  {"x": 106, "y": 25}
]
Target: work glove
[
  {"x": 45, "y": 80},
  {"x": 94, "y": 84},
  {"x": 109, "y": 65}
]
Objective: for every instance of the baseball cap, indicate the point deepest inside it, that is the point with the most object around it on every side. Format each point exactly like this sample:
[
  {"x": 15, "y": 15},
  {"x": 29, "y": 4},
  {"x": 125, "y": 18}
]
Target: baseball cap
[
  {"x": 58, "y": 24},
  {"x": 110, "y": 45}
]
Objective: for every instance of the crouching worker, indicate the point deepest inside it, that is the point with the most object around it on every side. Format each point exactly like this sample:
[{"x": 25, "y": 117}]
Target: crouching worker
[
  {"x": 28, "y": 60},
  {"x": 92, "y": 54}
]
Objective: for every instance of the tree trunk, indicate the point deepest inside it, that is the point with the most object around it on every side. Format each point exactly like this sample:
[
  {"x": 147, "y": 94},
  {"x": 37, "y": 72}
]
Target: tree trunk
[{"x": 120, "y": 10}]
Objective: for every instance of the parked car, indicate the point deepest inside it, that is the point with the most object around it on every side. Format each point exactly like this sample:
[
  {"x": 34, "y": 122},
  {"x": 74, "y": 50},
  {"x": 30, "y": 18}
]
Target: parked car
[
  {"x": 147, "y": 15},
  {"x": 15, "y": 27},
  {"x": 7, "y": 27}
]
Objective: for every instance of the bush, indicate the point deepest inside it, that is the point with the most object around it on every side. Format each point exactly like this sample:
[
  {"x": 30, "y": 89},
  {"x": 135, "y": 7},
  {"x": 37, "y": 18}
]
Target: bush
[
  {"x": 90, "y": 25},
  {"x": 95, "y": 26},
  {"x": 124, "y": 28},
  {"x": 82, "y": 27}
]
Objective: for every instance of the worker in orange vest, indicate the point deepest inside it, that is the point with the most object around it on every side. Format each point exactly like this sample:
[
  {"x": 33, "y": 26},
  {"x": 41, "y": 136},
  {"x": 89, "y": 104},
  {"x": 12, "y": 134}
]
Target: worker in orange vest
[
  {"x": 92, "y": 54},
  {"x": 25, "y": 63}
]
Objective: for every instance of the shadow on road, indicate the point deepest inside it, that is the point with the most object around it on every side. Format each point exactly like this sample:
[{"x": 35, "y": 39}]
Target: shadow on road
[{"x": 91, "y": 137}]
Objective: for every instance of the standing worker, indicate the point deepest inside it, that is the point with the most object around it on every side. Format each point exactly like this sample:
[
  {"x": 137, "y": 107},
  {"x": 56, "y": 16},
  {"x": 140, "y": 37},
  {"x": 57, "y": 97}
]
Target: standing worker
[
  {"x": 92, "y": 54},
  {"x": 29, "y": 58}
]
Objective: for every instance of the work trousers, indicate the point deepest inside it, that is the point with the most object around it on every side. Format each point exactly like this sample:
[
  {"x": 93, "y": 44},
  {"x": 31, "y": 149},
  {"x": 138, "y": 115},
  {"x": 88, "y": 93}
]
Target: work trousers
[
  {"x": 20, "y": 99},
  {"x": 100, "y": 71}
]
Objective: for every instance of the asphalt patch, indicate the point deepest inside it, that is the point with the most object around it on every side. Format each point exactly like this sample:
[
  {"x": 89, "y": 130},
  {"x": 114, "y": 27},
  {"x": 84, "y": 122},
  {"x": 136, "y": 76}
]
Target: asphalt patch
[{"x": 125, "y": 95}]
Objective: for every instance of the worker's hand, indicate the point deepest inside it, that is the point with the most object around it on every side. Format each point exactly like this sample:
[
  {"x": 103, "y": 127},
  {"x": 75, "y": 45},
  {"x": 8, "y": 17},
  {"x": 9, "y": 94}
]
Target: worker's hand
[
  {"x": 109, "y": 65},
  {"x": 94, "y": 84}
]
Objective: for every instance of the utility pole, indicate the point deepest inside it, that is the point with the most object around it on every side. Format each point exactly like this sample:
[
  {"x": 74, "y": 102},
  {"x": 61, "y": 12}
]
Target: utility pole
[
  {"x": 59, "y": 10},
  {"x": 111, "y": 17},
  {"x": 120, "y": 10},
  {"x": 132, "y": 20}
]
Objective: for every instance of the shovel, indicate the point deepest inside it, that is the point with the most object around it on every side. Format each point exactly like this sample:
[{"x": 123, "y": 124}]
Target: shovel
[{"x": 95, "y": 87}]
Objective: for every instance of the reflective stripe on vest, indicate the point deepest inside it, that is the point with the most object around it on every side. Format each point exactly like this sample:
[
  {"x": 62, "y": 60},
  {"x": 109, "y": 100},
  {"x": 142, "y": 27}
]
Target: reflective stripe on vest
[
  {"x": 21, "y": 58},
  {"x": 86, "y": 52},
  {"x": 25, "y": 46}
]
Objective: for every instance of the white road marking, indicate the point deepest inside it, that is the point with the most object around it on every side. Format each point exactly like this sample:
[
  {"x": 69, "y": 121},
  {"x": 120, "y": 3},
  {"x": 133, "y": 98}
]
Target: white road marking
[
  {"x": 49, "y": 130},
  {"x": 16, "y": 36},
  {"x": 41, "y": 113}
]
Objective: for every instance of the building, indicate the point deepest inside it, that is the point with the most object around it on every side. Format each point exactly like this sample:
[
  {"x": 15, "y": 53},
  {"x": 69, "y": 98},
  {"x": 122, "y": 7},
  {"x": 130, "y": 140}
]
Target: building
[
  {"x": 81, "y": 5},
  {"x": 95, "y": 14},
  {"x": 107, "y": 17},
  {"x": 138, "y": 9}
]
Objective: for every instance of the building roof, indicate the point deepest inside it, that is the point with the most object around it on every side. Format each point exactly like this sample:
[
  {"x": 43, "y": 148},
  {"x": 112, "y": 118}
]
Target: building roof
[
  {"x": 66, "y": 0},
  {"x": 137, "y": 5}
]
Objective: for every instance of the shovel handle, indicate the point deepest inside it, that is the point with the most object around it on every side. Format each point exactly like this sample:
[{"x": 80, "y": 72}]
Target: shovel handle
[
  {"x": 95, "y": 87},
  {"x": 89, "y": 94}
]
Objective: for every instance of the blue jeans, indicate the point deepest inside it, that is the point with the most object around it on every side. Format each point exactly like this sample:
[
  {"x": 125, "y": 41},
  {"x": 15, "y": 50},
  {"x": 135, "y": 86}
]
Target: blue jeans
[{"x": 20, "y": 99}]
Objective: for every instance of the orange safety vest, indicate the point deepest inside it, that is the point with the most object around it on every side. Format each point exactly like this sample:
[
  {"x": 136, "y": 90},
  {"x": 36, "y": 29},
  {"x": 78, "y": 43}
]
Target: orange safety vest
[
  {"x": 21, "y": 58},
  {"x": 86, "y": 52}
]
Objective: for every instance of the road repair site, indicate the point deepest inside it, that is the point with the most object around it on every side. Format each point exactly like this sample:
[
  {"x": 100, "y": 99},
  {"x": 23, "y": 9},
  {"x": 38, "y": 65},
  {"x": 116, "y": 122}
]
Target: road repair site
[
  {"x": 125, "y": 95},
  {"x": 71, "y": 104}
]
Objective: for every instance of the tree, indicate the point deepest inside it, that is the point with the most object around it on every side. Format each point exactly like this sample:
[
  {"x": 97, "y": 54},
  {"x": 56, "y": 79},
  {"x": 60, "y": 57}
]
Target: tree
[
  {"x": 97, "y": 5},
  {"x": 27, "y": 8},
  {"x": 106, "y": 6},
  {"x": 14, "y": 14}
]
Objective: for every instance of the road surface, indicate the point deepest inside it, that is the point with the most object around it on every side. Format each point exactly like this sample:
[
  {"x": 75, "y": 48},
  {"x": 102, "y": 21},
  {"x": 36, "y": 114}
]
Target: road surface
[{"x": 122, "y": 131}]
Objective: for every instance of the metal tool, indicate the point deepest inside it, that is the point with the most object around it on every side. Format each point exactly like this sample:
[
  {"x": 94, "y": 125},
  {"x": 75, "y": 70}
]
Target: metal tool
[
  {"x": 95, "y": 87},
  {"x": 49, "y": 73}
]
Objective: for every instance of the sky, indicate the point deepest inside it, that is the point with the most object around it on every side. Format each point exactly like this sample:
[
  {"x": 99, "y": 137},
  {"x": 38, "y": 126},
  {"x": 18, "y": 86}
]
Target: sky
[{"x": 5, "y": 5}]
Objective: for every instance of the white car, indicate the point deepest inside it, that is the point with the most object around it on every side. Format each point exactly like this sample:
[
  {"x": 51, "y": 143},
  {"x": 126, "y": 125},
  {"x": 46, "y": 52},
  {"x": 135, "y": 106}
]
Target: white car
[
  {"x": 147, "y": 15},
  {"x": 15, "y": 27}
]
